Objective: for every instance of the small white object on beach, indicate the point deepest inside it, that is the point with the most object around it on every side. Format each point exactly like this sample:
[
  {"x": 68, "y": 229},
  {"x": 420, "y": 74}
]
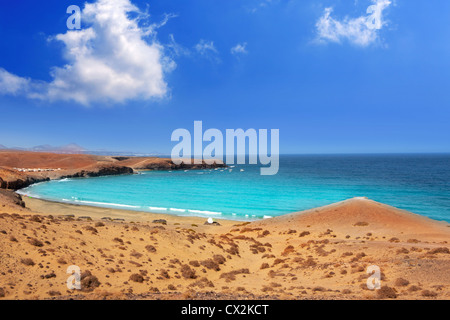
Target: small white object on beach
[{"x": 210, "y": 220}]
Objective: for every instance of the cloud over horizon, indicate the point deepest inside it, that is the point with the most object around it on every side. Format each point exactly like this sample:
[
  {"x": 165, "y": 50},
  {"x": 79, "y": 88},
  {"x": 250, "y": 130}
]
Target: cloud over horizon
[
  {"x": 361, "y": 31},
  {"x": 114, "y": 59}
]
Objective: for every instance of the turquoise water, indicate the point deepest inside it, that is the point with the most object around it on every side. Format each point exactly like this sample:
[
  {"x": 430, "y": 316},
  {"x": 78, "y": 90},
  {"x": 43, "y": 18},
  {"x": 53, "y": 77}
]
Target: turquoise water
[{"x": 418, "y": 183}]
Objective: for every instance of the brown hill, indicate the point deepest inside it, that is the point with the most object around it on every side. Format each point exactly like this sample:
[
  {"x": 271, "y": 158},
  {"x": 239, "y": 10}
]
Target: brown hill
[
  {"x": 19, "y": 169},
  {"x": 360, "y": 216}
]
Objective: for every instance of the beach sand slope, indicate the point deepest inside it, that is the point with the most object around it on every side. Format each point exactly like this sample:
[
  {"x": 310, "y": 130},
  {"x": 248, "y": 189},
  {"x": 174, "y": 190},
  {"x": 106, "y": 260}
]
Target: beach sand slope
[{"x": 322, "y": 253}]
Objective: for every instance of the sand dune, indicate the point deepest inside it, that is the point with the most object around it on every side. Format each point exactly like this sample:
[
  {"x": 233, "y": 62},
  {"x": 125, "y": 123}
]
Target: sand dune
[{"x": 318, "y": 254}]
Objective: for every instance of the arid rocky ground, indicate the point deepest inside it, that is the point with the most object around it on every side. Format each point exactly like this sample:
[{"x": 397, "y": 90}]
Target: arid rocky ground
[{"x": 319, "y": 254}]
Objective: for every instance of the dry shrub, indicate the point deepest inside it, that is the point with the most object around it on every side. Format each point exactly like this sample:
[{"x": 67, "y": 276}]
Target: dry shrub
[
  {"x": 210, "y": 264},
  {"x": 202, "y": 283},
  {"x": 357, "y": 269},
  {"x": 414, "y": 288},
  {"x": 53, "y": 293},
  {"x": 136, "y": 254},
  {"x": 402, "y": 251},
  {"x": 150, "y": 248},
  {"x": 321, "y": 252},
  {"x": 439, "y": 250},
  {"x": 346, "y": 291},
  {"x": 89, "y": 282},
  {"x": 90, "y": 228},
  {"x": 194, "y": 263},
  {"x": 218, "y": 258},
  {"x": 347, "y": 254},
  {"x": 171, "y": 287},
  {"x": 247, "y": 229},
  {"x": 2, "y": 293},
  {"x": 266, "y": 288},
  {"x": 429, "y": 294},
  {"x": 153, "y": 289},
  {"x": 35, "y": 218},
  {"x": 309, "y": 262},
  {"x": 13, "y": 239},
  {"x": 136, "y": 277},
  {"x": 265, "y": 265},
  {"x": 358, "y": 256},
  {"x": 361, "y": 224},
  {"x": 28, "y": 262},
  {"x": 111, "y": 270},
  {"x": 233, "y": 250},
  {"x": 304, "y": 233},
  {"x": 265, "y": 233},
  {"x": 99, "y": 224},
  {"x": 187, "y": 272},
  {"x": 287, "y": 250},
  {"x": 278, "y": 261},
  {"x": 400, "y": 282},
  {"x": 137, "y": 264},
  {"x": 321, "y": 289},
  {"x": 257, "y": 247},
  {"x": 118, "y": 240},
  {"x": 188, "y": 295},
  {"x": 386, "y": 292},
  {"x": 230, "y": 276},
  {"x": 35, "y": 242},
  {"x": 164, "y": 274}
]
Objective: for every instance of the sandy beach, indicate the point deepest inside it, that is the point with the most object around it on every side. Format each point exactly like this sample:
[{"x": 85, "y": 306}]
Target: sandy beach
[{"x": 322, "y": 253}]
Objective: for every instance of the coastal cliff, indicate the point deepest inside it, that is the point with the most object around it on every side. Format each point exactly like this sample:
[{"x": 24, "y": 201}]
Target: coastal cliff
[{"x": 20, "y": 169}]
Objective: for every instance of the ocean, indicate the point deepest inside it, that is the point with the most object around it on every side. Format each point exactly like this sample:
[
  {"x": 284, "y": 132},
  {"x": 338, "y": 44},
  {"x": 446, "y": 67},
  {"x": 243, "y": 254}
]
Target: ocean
[{"x": 417, "y": 183}]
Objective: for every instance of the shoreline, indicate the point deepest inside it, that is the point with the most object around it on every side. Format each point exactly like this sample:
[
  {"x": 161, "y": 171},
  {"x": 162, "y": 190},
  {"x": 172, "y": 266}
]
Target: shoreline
[
  {"x": 130, "y": 212},
  {"x": 44, "y": 206},
  {"x": 140, "y": 215}
]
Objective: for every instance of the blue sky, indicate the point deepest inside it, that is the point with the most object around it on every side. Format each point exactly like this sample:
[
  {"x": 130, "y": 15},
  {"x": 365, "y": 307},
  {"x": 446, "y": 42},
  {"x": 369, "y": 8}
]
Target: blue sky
[{"x": 315, "y": 70}]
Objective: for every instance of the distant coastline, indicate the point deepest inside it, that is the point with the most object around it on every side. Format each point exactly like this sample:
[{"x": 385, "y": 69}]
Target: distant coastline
[{"x": 20, "y": 169}]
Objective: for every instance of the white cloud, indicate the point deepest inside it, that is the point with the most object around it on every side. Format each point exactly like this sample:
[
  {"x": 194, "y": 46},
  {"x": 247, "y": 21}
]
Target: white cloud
[
  {"x": 112, "y": 60},
  {"x": 12, "y": 84},
  {"x": 175, "y": 48},
  {"x": 361, "y": 31},
  {"x": 204, "y": 47},
  {"x": 207, "y": 50},
  {"x": 261, "y": 4},
  {"x": 239, "y": 49}
]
